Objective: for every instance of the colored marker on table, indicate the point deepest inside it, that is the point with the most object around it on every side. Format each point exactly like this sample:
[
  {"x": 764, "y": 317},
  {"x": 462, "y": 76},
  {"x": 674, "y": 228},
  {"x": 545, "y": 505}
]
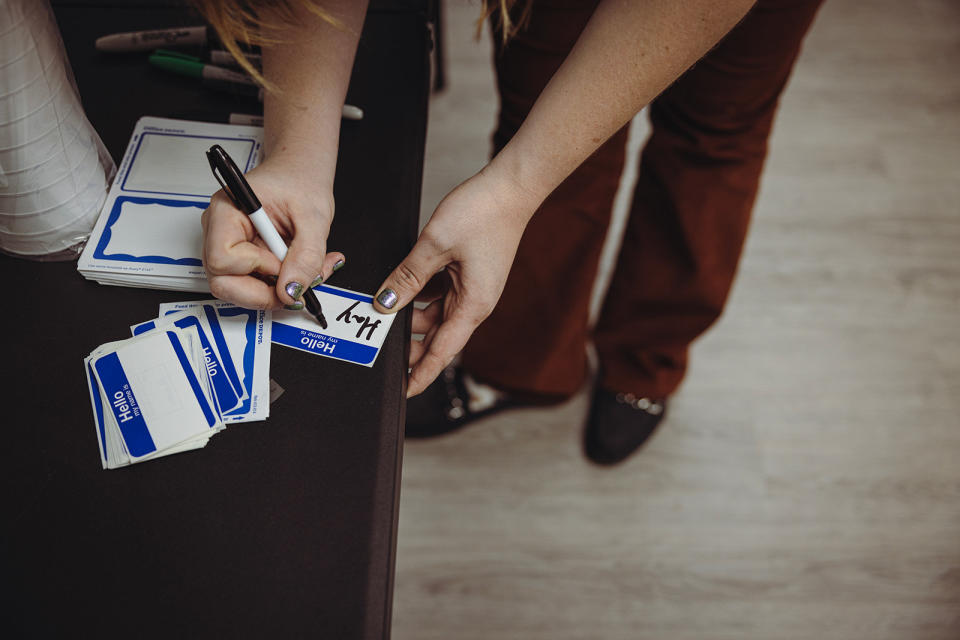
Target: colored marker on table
[
  {"x": 349, "y": 112},
  {"x": 223, "y": 58},
  {"x": 220, "y": 78},
  {"x": 147, "y": 40},
  {"x": 192, "y": 66}
]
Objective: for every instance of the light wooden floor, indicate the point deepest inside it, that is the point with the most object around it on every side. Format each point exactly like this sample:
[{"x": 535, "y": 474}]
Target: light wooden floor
[{"x": 807, "y": 482}]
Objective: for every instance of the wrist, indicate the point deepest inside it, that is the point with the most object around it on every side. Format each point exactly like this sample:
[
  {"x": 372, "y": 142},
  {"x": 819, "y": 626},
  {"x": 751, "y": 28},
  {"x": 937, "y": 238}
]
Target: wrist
[
  {"x": 312, "y": 172},
  {"x": 313, "y": 158},
  {"x": 304, "y": 178},
  {"x": 524, "y": 190},
  {"x": 300, "y": 134}
]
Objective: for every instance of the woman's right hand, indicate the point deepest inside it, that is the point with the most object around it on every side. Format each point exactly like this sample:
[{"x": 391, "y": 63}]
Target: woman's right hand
[{"x": 236, "y": 259}]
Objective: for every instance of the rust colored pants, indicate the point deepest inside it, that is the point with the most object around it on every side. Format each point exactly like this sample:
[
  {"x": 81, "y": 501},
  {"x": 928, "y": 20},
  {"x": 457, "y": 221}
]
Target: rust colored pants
[{"x": 699, "y": 175}]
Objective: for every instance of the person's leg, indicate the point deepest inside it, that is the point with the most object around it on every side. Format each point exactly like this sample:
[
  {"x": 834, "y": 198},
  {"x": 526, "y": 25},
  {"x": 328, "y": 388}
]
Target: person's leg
[
  {"x": 699, "y": 175},
  {"x": 534, "y": 342}
]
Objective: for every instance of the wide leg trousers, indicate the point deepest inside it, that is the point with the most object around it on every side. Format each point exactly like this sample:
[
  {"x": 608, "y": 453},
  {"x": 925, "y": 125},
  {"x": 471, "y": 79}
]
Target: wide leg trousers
[{"x": 698, "y": 179}]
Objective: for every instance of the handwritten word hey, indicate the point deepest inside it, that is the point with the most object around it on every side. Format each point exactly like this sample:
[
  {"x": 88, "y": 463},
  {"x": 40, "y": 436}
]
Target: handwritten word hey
[{"x": 364, "y": 321}]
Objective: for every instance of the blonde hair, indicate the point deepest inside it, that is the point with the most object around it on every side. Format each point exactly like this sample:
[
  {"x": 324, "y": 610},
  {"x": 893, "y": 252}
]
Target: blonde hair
[
  {"x": 256, "y": 22},
  {"x": 503, "y": 23}
]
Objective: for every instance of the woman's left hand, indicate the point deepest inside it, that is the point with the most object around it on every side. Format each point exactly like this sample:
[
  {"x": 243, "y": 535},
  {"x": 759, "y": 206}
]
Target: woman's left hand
[{"x": 464, "y": 254}]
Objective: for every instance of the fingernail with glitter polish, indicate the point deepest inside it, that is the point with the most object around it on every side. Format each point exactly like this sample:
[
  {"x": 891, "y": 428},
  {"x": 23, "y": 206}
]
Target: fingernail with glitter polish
[
  {"x": 296, "y": 306},
  {"x": 338, "y": 265},
  {"x": 387, "y": 298},
  {"x": 316, "y": 282},
  {"x": 294, "y": 289}
]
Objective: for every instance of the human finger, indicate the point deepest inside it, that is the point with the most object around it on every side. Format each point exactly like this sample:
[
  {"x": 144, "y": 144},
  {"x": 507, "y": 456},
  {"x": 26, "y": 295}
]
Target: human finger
[
  {"x": 227, "y": 246},
  {"x": 450, "y": 338},
  {"x": 246, "y": 291},
  {"x": 409, "y": 278},
  {"x": 419, "y": 347},
  {"x": 332, "y": 262},
  {"x": 436, "y": 286},
  {"x": 425, "y": 319},
  {"x": 304, "y": 261}
]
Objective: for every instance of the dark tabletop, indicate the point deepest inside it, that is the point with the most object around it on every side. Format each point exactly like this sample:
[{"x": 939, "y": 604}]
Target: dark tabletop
[{"x": 283, "y": 528}]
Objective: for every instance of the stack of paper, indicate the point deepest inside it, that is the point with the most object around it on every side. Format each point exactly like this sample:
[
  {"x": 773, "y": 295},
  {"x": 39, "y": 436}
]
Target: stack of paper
[
  {"x": 181, "y": 377},
  {"x": 149, "y": 233},
  {"x": 151, "y": 397}
]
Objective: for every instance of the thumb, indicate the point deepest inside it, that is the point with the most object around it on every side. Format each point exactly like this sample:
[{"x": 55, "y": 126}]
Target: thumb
[
  {"x": 408, "y": 279},
  {"x": 302, "y": 265}
]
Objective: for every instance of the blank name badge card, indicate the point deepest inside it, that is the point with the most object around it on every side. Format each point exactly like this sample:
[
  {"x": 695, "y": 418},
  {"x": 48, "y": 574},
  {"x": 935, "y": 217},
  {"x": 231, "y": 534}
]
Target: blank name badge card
[
  {"x": 151, "y": 389},
  {"x": 355, "y": 330},
  {"x": 150, "y": 224}
]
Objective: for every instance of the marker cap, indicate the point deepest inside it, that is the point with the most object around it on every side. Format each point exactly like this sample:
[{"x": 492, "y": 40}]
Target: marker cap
[{"x": 231, "y": 179}]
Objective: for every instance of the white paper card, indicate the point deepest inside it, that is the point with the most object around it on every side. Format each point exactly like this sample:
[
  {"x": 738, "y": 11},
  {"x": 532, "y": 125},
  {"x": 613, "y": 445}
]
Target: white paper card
[
  {"x": 149, "y": 233},
  {"x": 153, "y": 171},
  {"x": 147, "y": 398},
  {"x": 242, "y": 337},
  {"x": 355, "y": 331}
]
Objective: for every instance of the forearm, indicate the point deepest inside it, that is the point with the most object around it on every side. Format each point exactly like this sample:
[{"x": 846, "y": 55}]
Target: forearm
[
  {"x": 310, "y": 66},
  {"x": 628, "y": 53}
]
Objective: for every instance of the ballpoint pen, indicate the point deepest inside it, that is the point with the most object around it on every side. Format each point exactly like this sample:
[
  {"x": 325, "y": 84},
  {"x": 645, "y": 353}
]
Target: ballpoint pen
[{"x": 236, "y": 187}]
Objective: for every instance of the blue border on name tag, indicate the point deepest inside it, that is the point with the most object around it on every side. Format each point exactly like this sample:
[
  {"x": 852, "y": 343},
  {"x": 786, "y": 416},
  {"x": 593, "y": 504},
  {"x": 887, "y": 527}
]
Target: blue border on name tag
[
  {"x": 214, "y": 321},
  {"x": 191, "y": 378},
  {"x": 249, "y": 333},
  {"x": 125, "y": 409},
  {"x": 143, "y": 327},
  {"x": 320, "y": 344},
  {"x": 225, "y": 395},
  {"x": 345, "y": 294},
  {"x": 101, "y": 250}
]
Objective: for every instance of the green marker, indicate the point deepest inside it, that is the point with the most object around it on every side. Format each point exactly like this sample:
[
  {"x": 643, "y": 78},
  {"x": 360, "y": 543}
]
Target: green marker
[{"x": 185, "y": 65}]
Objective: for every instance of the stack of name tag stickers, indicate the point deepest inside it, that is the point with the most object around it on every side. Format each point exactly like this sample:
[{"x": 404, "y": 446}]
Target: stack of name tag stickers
[
  {"x": 148, "y": 233},
  {"x": 179, "y": 380}
]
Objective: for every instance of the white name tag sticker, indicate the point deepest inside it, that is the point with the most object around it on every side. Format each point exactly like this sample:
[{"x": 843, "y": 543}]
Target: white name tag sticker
[
  {"x": 355, "y": 330},
  {"x": 147, "y": 397},
  {"x": 241, "y": 339}
]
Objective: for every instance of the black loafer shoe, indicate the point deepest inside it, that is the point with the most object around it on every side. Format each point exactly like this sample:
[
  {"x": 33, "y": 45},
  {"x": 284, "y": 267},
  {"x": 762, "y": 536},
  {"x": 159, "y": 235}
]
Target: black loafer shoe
[
  {"x": 444, "y": 406},
  {"x": 619, "y": 424}
]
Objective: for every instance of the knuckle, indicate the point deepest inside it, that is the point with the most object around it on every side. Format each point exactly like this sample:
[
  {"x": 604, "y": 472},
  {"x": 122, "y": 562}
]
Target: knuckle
[
  {"x": 476, "y": 311},
  {"x": 408, "y": 278},
  {"x": 432, "y": 242},
  {"x": 425, "y": 372},
  {"x": 434, "y": 361},
  {"x": 217, "y": 288},
  {"x": 216, "y": 262},
  {"x": 309, "y": 259},
  {"x": 219, "y": 203},
  {"x": 429, "y": 238}
]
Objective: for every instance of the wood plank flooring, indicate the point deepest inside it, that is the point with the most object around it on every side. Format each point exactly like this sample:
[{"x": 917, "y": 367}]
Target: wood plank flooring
[{"x": 807, "y": 481}]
